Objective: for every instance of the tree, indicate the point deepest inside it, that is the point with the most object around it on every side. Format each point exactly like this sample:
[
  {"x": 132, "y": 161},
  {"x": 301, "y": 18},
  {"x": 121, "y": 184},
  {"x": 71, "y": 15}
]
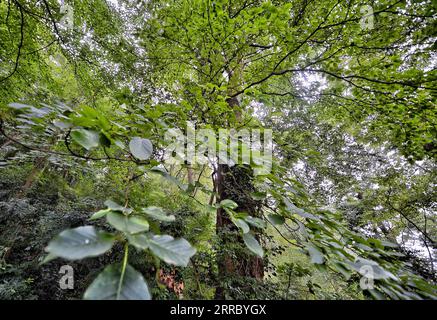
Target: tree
[{"x": 239, "y": 64}]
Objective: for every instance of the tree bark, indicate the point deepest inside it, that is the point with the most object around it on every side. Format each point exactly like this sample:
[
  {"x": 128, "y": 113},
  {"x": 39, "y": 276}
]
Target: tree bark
[
  {"x": 235, "y": 183},
  {"x": 39, "y": 165}
]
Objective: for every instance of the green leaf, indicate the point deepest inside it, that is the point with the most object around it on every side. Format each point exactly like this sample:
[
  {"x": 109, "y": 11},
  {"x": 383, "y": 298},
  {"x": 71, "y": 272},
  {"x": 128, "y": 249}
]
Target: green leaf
[
  {"x": 293, "y": 209},
  {"x": 62, "y": 124},
  {"x": 253, "y": 244},
  {"x": 339, "y": 266},
  {"x": 227, "y": 203},
  {"x": 258, "y": 195},
  {"x": 106, "y": 285},
  {"x": 113, "y": 206},
  {"x": 131, "y": 224},
  {"x": 141, "y": 148},
  {"x": 256, "y": 222},
  {"x": 364, "y": 266},
  {"x": 376, "y": 294},
  {"x": 19, "y": 106},
  {"x": 210, "y": 209},
  {"x": 79, "y": 243},
  {"x": 158, "y": 214},
  {"x": 139, "y": 240},
  {"x": 315, "y": 254},
  {"x": 86, "y": 138},
  {"x": 119, "y": 144},
  {"x": 276, "y": 219},
  {"x": 173, "y": 251},
  {"x": 240, "y": 223},
  {"x": 48, "y": 258},
  {"x": 99, "y": 214}
]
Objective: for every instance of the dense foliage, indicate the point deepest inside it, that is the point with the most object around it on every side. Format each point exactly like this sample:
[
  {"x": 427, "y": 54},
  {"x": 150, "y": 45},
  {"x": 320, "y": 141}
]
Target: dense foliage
[{"x": 89, "y": 90}]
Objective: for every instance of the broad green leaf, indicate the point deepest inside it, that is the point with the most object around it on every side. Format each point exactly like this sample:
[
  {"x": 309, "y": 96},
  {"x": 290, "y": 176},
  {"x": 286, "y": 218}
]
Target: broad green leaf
[
  {"x": 19, "y": 106},
  {"x": 173, "y": 251},
  {"x": 119, "y": 144},
  {"x": 116, "y": 207},
  {"x": 141, "y": 148},
  {"x": 48, "y": 258},
  {"x": 139, "y": 240},
  {"x": 389, "y": 244},
  {"x": 315, "y": 254},
  {"x": 86, "y": 138},
  {"x": 239, "y": 215},
  {"x": 376, "y": 294},
  {"x": 227, "y": 203},
  {"x": 99, "y": 214},
  {"x": 62, "y": 124},
  {"x": 256, "y": 222},
  {"x": 210, "y": 209},
  {"x": 127, "y": 224},
  {"x": 258, "y": 195},
  {"x": 109, "y": 285},
  {"x": 293, "y": 209},
  {"x": 372, "y": 269},
  {"x": 79, "y": 243},
  {"x": 253, "y": 244},
  {"x": 158, "y": 214},
  {"x": 339, "y": 266},
  {"x": 240, "y": 223}
]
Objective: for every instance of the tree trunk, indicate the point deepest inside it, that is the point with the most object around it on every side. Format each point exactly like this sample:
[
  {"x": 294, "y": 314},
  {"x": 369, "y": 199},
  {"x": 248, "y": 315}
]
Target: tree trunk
[
  {"x": 190, "y": 175},
  {"x": 39, "y": 165},
  {"x": 235, "y": 183}
]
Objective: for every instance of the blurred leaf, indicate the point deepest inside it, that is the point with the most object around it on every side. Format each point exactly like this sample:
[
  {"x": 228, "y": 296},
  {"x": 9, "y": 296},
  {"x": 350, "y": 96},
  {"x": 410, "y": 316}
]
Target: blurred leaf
[
  {"x": 158, "y": 214},
  {"x": 256, "y": 222},
  {"x": 227, "y": 203},
  {"x": 109, "y": 285},
  {"x": 86, "y": 138},
  {"x": 315, "y": 254},
  {"x": 141, "y": 148},
  {"x": 253, "y": 244},
  {"x": 173, "y": 251},
  {"x": 79, "y": 243},
  {"x": 127, "y": 224},
  {"x": 240, "y": 223}
]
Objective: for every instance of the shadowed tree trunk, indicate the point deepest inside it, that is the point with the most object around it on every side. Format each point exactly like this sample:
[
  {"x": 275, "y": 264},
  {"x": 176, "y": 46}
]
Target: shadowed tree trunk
[
  {"x": 235, "y": 183},
  {"x": 39, "y": 166}
]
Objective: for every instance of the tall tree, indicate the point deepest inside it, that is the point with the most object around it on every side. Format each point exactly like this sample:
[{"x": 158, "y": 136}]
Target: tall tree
[
  {"x": 224, "y": 64},
  {"x": 226, "y": 55}
]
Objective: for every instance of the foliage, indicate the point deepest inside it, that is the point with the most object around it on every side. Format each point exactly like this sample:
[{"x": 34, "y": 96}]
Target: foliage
[{"x": 84, "y": 112}]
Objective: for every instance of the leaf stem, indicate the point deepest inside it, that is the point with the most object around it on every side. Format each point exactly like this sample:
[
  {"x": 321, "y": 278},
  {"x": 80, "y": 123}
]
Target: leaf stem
[{"x": 123, "y": 269}]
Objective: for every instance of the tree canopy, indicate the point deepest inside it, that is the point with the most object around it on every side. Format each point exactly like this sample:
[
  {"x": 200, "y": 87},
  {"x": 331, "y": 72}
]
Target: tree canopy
[{"x": 343, "y": 208}]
